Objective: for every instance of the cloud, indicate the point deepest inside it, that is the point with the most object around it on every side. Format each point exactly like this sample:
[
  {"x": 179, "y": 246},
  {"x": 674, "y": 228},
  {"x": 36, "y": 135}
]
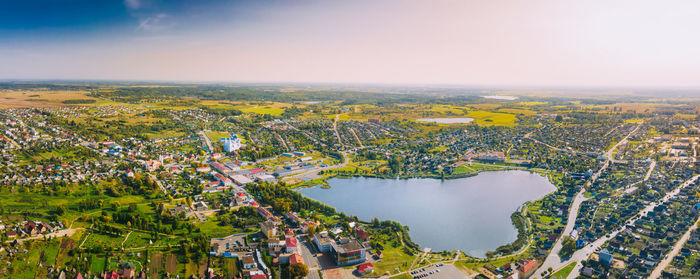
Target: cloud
[
  {"x": 133, "y": 4},
  {"x": 153, "y": 23}
]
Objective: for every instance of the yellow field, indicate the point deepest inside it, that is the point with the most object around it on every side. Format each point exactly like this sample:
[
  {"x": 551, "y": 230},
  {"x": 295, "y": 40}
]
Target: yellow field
[
  {"x": 517, "y": 111},
  {"x": 492, "y": 118},
  {"x": 38, "y": 98},
  {"x": 532, "y": 103},
  {"x": 446, "y": 109},
  {"x": 271, "y": 110}
]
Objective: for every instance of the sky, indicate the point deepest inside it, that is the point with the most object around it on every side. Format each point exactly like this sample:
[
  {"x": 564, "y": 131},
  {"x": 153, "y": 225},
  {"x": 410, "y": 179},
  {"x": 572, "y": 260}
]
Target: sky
[{"x": 593, "y": 43}]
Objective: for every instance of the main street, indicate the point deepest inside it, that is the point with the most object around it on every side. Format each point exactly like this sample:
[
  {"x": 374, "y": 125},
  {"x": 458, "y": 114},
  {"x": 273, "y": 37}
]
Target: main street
[
  {"x": 553, "y": 260},
  {"x": 308, "y": 253}
]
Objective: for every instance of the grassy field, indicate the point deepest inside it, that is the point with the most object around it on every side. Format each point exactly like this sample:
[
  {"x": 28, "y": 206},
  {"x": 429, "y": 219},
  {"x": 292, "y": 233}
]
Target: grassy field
[
  {"x": 103, "y": 240},
  {"x": 564, "y": 271},
  {"x": 217, "y": 136},
  {"x": 274, "y": 109},
  {"x": 391, "y": 259},
  {"x": 517, "y": 111},
  {"x": 97, "y": 264},
  {"x": 212, "y": 229}
]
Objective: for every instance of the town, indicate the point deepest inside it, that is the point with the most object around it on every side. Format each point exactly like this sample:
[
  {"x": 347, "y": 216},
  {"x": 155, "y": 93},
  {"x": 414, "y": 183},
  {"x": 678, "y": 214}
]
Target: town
[{"x": 131, "y": 182}]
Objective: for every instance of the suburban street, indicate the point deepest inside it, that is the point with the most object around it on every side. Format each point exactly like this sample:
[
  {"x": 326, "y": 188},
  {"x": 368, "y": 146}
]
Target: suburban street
[
  {"x": 584, "y": 253},
  {"x": 656, "y": 273},
  {"x": 553, "y": 260},
  {"x": 307, "y": 254}
]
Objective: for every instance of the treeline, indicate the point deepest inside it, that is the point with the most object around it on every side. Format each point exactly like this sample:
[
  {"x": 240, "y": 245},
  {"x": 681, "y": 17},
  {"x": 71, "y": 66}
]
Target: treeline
[
  {"x": 521, "y": 224},
  {"x": 242, "y": 217},
  {"x": 284, "y": 200},
  {"x": 79, "y": 101},
  {"x": 258, "y": 93},
  {"x": 88, "y": 204},
  {"x": 222, "y": 111},
  {"x": 388, "y": 227},
  {"x": 253, "y": 154}
]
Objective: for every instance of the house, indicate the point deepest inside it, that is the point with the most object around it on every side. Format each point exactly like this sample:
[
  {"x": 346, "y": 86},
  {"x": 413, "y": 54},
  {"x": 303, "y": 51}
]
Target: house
[
  {"x": 361, "y": 234},
  {"x": 527, "y": 268},
  {"x": 587, "y": 271},
  {"x": 248, "y": 262},
  {"x": 605, "y": 257},
  {"x": 269, "y": 229},
  {"x": 128, "y": 269},
  {"x": 258, "y": 276},
  {"x": 323, "y": 241},
  {"x": 293, "y": 217},
  {"x": 264, "y": 212},
  {"x": 200, "y": 206},
  {"x": 290, "y": 244},
  {"x": 30, "y": 228},
  {"x": 295, "y": 258},
  {"x": 365, "y": 268},
  {"x": 276, "y": 243}
]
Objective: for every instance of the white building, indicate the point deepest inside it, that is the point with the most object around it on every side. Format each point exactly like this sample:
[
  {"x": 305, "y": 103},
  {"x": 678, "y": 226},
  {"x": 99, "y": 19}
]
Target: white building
[{"x": 231, "y": 144}]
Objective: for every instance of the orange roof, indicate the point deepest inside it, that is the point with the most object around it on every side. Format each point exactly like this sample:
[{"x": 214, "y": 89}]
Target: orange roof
[
  {"x": 528, "y": 266},
  {"x": 295, "y": 259}
]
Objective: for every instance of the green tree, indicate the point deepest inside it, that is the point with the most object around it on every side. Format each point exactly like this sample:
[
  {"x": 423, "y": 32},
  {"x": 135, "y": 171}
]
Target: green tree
[
  {"x": 568, "y": 247},
  {"x": 298, "y": 270}
]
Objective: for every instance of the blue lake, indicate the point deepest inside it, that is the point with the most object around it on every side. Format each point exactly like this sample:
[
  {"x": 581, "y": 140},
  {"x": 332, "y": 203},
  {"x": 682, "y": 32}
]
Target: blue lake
[{"x": 469, "y": 214}]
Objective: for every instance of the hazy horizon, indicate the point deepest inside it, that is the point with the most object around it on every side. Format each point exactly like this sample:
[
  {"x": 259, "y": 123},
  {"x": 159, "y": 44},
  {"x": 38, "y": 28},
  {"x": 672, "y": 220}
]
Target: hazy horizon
[{"x": 548, "y": 44}]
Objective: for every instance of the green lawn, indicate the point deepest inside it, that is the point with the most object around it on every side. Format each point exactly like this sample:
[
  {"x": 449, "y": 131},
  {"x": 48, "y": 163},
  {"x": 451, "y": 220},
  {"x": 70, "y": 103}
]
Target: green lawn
[
  {"x": 391, "y": 259},
  {"x": 97, "y": 264},
  {"x": 104, "y": 241},
  {"x": 564, "y": 272}
]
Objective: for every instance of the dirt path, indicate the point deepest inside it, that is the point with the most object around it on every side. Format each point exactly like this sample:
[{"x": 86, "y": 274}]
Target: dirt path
[{"x": 125, "y": 238}]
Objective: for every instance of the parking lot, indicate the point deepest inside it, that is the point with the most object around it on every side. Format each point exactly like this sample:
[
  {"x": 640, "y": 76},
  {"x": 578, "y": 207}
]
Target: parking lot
[{"x": 446, "y": 271}]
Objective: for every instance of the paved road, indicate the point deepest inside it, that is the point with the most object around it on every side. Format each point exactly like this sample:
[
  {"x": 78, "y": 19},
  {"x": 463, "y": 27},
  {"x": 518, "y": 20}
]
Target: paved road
[
  {"x": 674, "y": 252},
  {"x": 553, "y": 260},
  {"x": 307, "y": 252},
  {"x": 335, "y": 129},
  {"x": 357, "y": 138},
  {"x": 206, "y": 140},
  {"x": 651, "y": 170}
]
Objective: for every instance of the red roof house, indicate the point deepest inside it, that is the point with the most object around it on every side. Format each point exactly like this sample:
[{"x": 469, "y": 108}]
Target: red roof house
[{"x": 365, "y": 268}]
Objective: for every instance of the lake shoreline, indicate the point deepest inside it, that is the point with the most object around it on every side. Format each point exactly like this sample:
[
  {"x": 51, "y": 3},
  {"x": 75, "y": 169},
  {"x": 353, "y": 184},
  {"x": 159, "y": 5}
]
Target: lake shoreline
[{"x": 520, "y": 232}]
